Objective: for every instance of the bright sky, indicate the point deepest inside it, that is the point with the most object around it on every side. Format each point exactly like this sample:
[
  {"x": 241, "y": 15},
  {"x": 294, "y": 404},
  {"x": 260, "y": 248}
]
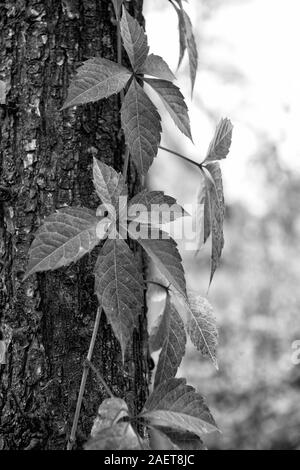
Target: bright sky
[{"x": 258, "y": 38}]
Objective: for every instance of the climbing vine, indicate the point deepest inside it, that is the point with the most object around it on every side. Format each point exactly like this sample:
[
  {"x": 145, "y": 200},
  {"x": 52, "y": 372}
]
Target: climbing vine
[{"x": 175, "y": 415}]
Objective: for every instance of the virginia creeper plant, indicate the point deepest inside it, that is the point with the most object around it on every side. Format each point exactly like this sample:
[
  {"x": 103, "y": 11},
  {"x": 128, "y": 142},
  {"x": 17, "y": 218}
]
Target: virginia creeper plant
[{"x": 175, "y": 415}]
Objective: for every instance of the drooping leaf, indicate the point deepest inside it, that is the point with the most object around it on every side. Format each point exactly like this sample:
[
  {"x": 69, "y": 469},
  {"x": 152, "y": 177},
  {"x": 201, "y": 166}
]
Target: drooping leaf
[
  {"x": 174, "y": 102},
  {"x": 154, "y": 207},
  {"x": 141, "y": 125},
  {"x": 109, "y": 184},
  {"x": 201, "y": 326},
  {"x": 120, "y": 436},
  {"x": 181, "y": 30},
  {"x": 181, "y": 440},
  {"x": 63, "y": 238},
  {"x": 110, "y": 412},
  {"x": 173, "y": 347},
  {"x": 134, "y": 40},
  {"x": 215, "y": 207},
  {"x": 96, "y": 79},
  {"x": 173, "y": 404},
  {"x": 119, "y": 288},
  {"x": 157, "y": 67},
  {"x": 220, "y": 144},
  {"x": 187, "y": 41},
  {"x": 191, "y": 48},
  {"x": 165, "y": 255}
]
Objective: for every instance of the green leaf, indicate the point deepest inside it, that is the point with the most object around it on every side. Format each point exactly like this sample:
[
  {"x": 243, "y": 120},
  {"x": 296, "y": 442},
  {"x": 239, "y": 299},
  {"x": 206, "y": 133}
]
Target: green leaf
[
  {"x": 220, "y": 144},
  {"x": 215, "y": 207},
  {"x": 191, "y": 48},
  {"x": 173, "y": 347},
  {"x": 158, "y": 333},
  {"x": 96, "y": 79},
  {"x": 179, "y": 439},
  {"x": 141, "y": 125},
  {"x": 120, "y": 436},
  {"x": 174, "y": 102},
  {"x": 134, "y": 40},
  {"x": 109, "y": 413},
  {"x": 173, "y": 404},
  {"x": 109, "y": 184},
  {"x": 165, "y": 255},
  {"x": 156, "y": 206},
  {"x": 201, "y": 326},
  {"x": 63, "y": 238},
  {"x": 157, "y": 67},
  {"x": 119, "y": 288}
]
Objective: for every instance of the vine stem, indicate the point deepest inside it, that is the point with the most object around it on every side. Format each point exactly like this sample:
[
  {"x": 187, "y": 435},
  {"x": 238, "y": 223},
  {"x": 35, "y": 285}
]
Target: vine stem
[
  {"x": 83, "y": 381},
  {"x": 180, "y": 155}
]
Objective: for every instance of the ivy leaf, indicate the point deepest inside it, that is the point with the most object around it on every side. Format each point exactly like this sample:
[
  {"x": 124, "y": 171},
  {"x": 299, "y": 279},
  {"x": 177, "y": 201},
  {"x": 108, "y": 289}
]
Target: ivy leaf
[
  {"x": 119, "y": 288},
  {"x": 110, "y": 412},
  {"x": 134, "y": 40},
  {"x": 174, "y": 103},
  {"x": 201, "y": 327},
  {"x": 63, "y": 238},
  {"x": 173, "y": 404},
  {"x": 120, "y": 436},
  {"x": 173, "y": 347},
  {"x": 220, "y": 144},
  {"x": 96, "y": 79},
  {"x": 215, "y": 207},
  {"x": 191, "y": 48},
  {"x": 141, "y": 125},
  {"x": 109, "y": 184},
  {"x": 157, "y": 67},
  {"x": 164, "y": 253},
  {"x": 154, "y": 206},
  {"x": 179, "y": 439}
]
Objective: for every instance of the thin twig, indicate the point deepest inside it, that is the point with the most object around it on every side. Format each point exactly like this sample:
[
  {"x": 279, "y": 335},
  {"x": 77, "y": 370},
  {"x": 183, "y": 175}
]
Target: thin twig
[
  {"x": 83, "y": 382},
  {"x": 179, "y": 155}
]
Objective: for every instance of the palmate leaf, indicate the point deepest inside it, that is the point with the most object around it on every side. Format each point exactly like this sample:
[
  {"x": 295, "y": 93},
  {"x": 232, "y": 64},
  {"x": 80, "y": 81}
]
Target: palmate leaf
[
  {"x": 119, "y": 288},
  {"x": 220, "y": 144},
  {"x": 96, "y": 79},
  {"x": 154, "y": 206},
  {"x": 173, "y": 404},
  {"x": 120, "y": 436},
  {"x": 215, "y": 212},
  {"x": 173, "y": 346},
  {"x": 174, "y": 102},
  {"x": 201, "y": 326},
  {"x": 109, "y": 184},
  {"x": 165, "y": 255},
  {"x": 63, "y": 238},
  {"x": 134, "y": 40},
  {"x": 157, "y": 67},
  {"x": 110, "y": 412},
  {"x": 141, "y": 125}
]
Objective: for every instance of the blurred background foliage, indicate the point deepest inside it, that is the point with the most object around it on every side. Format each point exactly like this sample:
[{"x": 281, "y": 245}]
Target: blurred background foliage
[{"x": 248, "y": 73}]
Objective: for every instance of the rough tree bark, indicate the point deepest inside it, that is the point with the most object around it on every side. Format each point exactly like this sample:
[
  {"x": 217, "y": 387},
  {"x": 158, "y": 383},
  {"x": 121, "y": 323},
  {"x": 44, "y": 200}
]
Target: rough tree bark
[{"x": 45, "y": 163}]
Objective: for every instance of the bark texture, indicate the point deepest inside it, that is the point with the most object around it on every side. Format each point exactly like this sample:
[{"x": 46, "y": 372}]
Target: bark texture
[{"x": 46, "y": 163}]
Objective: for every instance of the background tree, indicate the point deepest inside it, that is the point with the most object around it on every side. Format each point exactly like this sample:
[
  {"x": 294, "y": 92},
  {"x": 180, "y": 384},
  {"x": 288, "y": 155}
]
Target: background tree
[{"x": 46, "y": 163}]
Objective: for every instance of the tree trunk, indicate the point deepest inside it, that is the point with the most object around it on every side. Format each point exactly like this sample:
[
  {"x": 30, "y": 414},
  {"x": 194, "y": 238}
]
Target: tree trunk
[{"x": 46, "y": 163}]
